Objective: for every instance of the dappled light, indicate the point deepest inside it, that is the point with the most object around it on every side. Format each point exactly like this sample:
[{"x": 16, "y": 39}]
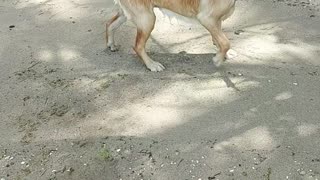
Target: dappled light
[
  {"x": 45, "y": 55},
  {"x": 283, "y": 96},
  {"x": 258, "y": 138},
  {"x": 270, "y": 47},
  {"x": 165, "y": 110},
  {"x": 74, "y": 108},
  {"x": 59, "y": 10},
  {"x": 68, "y": 55},
  {"x": 308, "y": 129}
]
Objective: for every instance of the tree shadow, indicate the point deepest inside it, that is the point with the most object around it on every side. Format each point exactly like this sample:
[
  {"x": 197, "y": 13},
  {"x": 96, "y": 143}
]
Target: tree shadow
[{"x": 193, "y": 120}]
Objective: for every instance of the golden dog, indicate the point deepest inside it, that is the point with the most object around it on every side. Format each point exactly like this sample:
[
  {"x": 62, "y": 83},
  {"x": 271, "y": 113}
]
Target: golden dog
[{"x": 210, "y": 13}]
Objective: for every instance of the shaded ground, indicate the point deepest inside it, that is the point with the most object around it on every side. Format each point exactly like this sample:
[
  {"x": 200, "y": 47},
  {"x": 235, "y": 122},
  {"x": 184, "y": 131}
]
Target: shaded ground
[{"x": 71, "y": 110}]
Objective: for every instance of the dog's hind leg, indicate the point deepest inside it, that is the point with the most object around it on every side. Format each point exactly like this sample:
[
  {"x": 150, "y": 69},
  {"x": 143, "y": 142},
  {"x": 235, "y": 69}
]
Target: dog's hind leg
[
  {"x": 112, "y": 25},
  {"x": 145, "y": 24},
  {"x": 218, "y": 37}
]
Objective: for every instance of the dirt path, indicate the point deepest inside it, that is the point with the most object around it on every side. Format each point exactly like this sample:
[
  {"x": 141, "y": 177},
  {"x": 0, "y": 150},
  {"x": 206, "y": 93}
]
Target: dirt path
[{"x": 71, "y": 110}]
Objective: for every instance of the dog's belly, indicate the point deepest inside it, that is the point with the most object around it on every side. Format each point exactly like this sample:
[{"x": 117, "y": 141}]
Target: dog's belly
[
  {"x": 175, "y": 16},
  {"x": 187, "y": 8}
]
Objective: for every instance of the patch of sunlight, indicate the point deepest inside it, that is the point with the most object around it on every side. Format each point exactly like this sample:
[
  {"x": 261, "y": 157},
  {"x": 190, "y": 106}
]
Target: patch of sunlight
[
  {"x": 173, "y": 106},
  {"x": 263, "y": 45},
  {"x": 59, "y": 9},
  {"x": 258, "y": 138},
  {"x": 269, "y": 46},
  {"x": 45, "y": 55},
  {"x": 142, "y": 118},
  {"x": 202, "y": 91},
  {"x": 29, "y": 3},
  {"x": 283, "y": 96},
  {"x": 159, "y": 117},
  {"x": 177, "y": 104},
  {"x": 302, "y": 50},
  {"x": 68, "y": 54},
  {"x": 307, "y": 129}
]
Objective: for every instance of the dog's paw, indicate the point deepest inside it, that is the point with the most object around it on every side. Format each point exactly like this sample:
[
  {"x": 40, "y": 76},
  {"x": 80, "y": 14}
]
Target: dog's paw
[
  {"x": 155, "y": 66},
  {"x": 218, "y": 60},
  {"x": 113, "y": 48}
]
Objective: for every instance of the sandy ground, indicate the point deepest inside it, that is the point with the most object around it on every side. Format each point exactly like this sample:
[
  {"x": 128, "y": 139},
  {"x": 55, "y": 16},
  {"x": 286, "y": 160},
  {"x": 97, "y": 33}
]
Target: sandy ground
[{"x": 71, "y": 110}]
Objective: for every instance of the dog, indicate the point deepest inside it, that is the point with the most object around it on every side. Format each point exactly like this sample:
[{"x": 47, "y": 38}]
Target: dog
[{"x": 210, "y": 14}]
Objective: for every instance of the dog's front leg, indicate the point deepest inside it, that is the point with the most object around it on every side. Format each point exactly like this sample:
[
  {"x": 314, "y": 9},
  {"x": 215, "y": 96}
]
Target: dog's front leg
[
  {"x": 218, "y": 37},
  {"x": 145, "y": 25}
]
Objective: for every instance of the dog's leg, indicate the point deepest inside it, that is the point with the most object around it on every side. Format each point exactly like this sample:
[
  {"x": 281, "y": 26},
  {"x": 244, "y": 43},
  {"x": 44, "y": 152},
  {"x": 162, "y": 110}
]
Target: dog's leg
[
  {"x": 113, "y": 24},
  {"x": 145, "y": 24},
  {"x": 218, "y": 37}
]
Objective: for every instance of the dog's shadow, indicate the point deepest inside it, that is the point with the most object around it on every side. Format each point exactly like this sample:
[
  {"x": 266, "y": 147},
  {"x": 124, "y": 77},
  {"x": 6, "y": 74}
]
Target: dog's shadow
[
  {"x": 194, "y": 65},
  {"x": 181, "y": 65}
]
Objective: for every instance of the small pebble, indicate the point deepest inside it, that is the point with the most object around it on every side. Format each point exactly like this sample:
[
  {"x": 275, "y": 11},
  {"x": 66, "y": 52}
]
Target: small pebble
[
  {"x": 118, "y": 150},
  {"x": 238, "y": 32},
  {"x": 296, "y": 84},
  {"x": 302, "y": 172},
  {"x": 23, "y": 162}
]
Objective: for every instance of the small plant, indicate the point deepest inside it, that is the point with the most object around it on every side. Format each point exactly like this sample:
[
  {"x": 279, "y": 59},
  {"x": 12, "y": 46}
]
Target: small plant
[{"x": 104, "y": 153}]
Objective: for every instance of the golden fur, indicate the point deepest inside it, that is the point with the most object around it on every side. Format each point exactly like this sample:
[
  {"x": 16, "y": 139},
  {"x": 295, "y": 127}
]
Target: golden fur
[{"x": 210, "y": 13}]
